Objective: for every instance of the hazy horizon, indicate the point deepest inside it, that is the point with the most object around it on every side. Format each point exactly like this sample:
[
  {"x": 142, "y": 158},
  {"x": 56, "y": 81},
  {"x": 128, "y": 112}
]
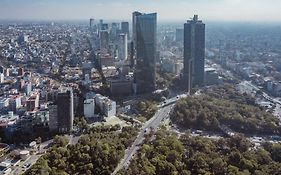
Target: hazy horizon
[{"x": 261, "y": 11}]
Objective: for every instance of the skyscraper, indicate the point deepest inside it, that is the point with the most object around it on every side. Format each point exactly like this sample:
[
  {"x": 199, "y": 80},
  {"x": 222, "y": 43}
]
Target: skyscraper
[
  {"x": 194, "y": 53},
  {"x": 113, "y": 31},
  {"x": 104, "y": 40},
  {"x": 125, "y": 28},
  {"x": 91, "y": 22},
  {"x": 134, "y": 28},
  {"x": 53, "y": 120},
  {"x": 145, "y": 44},
  {"x": 65, "y": 109},
  {"x": 123, "y": 47}
]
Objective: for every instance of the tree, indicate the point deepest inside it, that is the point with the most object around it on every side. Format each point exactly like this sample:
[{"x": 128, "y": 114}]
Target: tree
[{"x": 60, "y": 141}]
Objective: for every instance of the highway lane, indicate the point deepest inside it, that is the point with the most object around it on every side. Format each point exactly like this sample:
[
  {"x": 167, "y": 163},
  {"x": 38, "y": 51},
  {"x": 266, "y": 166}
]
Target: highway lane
[{"x": 152, "y": 124}]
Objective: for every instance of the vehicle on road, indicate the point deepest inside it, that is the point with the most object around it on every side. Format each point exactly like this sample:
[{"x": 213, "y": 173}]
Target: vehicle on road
[{"x": 146, "y": 130}]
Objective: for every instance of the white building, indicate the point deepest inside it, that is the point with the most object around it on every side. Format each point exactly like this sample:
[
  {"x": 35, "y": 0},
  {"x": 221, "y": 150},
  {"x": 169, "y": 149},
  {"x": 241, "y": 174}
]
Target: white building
[
  {"x": 2, "y": 77},
  {"x": 107, "y": 106},
  {"x": 89, "y": 108}
]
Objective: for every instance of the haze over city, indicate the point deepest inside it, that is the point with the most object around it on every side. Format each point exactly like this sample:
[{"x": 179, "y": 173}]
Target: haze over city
[
  {"x": 140, "y": 87},
  {"x": 168, "y": 10}
]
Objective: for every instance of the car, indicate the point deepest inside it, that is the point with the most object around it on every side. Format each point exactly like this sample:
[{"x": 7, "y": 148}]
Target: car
[{"x": 28, "y": 165}]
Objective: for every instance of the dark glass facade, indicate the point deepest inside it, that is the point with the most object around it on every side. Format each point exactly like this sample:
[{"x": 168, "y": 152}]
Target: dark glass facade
[
  {"x": 65, "y": 111},
  {"x": 194, "y": 53},
  {"x": 125, "y": 28},
  {"x": 145, "y": 72}
]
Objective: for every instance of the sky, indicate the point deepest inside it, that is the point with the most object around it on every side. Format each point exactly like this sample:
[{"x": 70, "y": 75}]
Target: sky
[{"x": 167, "y": 10}]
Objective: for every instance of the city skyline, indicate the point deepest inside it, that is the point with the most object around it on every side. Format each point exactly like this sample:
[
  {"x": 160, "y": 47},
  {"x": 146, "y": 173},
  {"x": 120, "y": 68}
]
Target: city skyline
[{"x": 216, "y": 10}]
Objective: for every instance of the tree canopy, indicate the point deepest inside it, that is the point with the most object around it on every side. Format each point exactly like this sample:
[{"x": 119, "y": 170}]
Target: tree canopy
[
  {"x": 188, "y": 155},
  {"x": 97, "y": 152},
  {"x": 224, "y": 106}
]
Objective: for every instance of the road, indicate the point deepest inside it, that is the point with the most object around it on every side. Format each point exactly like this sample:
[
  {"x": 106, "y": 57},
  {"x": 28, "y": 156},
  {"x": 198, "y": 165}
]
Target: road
[
  {"x": 43, "y": 147},
  {"x": 152, "y": 124},
  {"x": 267, "y": 97},
  {"x": 31, "y": 159}
]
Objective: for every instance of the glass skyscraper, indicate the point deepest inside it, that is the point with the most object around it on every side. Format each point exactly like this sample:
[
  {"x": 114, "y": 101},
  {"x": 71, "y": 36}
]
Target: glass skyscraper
[
  {"x": 194, "y": 53},
  {"x": 145, "y": 45},
  {"x": 125, "y": 29},
  {"x": 65, "y": 109}
]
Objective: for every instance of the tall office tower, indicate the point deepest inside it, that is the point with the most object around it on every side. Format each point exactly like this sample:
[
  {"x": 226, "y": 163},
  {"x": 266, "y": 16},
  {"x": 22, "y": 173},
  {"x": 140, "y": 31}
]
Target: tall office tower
[
  {"x": 132, "y": 55},
  {"x": 134, "y": 27},
  {"x": 100, "y": 24},
  {"x": 125, "y": 28},
  {"x": 104, "y": 40},
  {"x": 91, "y": 22},
  {"x": 65, "y": 111},
  {"x": 194, "y": 53},
  {"x": 123, "y": 47},
  {"x": 113, "y": 31},
  {"x": 145, "y": 52},
  {"x": 53, "y": 117}
]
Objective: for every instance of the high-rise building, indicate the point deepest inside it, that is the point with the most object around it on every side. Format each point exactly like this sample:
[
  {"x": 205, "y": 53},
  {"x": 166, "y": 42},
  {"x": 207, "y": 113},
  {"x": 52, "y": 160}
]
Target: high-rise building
[
  {"x": 125, "y": 28},
  {"x": 133, "y": 41},
  {"x": 91, "y": 22},
  {"x": 134, "y": 27},
  {"x": 113, "y": 31},
  {"x": 104, "y": 40},
  {"x": 53, "y": 117},
  {"x": 100, "y": 24},
  {"x": 2, "y": 77},
  {"x": 194, "y": 53},
  {"x": 65, "y": 111},
  {"x": 123, "y": 47},
  {"x": 145, "y": 39}
]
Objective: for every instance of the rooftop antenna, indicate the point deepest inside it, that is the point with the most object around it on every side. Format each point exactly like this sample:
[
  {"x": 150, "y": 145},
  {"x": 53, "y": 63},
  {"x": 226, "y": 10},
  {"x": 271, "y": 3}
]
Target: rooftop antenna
[{"x": 195, "y": 18}]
